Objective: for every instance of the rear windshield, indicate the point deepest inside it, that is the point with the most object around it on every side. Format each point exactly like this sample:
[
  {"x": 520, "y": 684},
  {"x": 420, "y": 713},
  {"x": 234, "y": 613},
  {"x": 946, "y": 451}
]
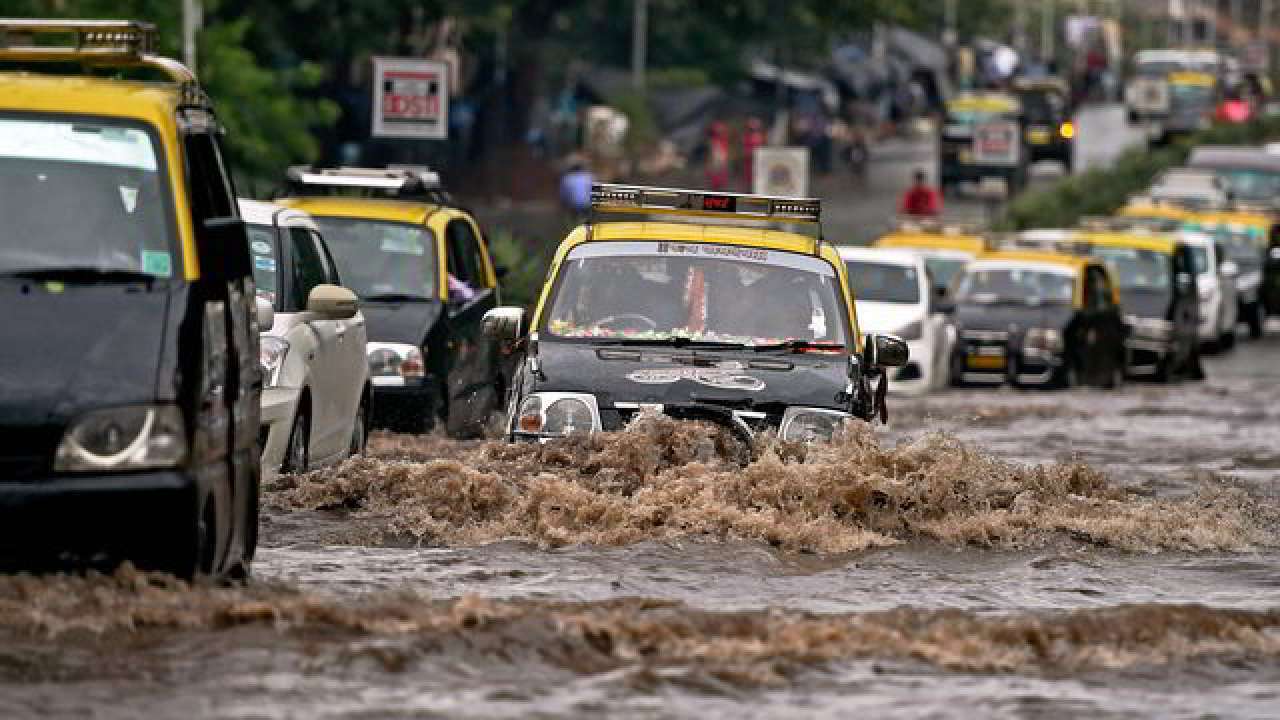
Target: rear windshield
[
  {"x": 83, "y": 193},
  {"x": 882, "y": 282},
  {"x": 382, "y": 260}
]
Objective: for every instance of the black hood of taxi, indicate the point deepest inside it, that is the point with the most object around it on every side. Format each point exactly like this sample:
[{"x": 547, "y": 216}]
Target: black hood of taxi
[
  {"x": 1010, "y": 318},
  {"x": 670, "y": 375},
  {"x": 400, "y": 322},
  {"x": 84, "y": 347},
  {"x": 1146, "y": 303}
]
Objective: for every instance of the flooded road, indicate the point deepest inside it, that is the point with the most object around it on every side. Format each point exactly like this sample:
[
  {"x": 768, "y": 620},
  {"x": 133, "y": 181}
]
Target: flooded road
[{"x": 990, "y": 553}]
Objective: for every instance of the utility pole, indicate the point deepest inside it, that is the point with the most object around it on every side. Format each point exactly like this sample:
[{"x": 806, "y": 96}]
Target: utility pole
[
  {"x": 1047, "y": 30},
  {"x": 950, "y": 35},
  {"x": 639, "y": 42},
  {"x": 1020, "y": 27},
  {"x": 191, "y": 21}
]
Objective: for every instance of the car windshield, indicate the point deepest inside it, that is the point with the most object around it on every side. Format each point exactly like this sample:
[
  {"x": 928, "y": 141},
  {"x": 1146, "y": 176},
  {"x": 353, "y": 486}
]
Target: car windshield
[
  {"x": 883, "y": 282},
  {"x": 1190, "y": 95},
  {"x": 1251, "y": 185},
  {"x": 1243, "y": 243},
  {"x": 944, "y": 269},
  {"x": 1137, "y": 269},
  {"x": 1018, "y": 285},
  {"x": 665, "y": 291},
  {"x": 83, "y": 194},
  {"x": 262, "y": 248},
  {"x": 1042, "y": 106},
  {"x": 378, "y": 259}
]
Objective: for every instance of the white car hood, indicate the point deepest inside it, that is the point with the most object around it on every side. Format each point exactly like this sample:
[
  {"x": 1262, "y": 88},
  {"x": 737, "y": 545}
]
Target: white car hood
[{"x": 882, "y": 317}]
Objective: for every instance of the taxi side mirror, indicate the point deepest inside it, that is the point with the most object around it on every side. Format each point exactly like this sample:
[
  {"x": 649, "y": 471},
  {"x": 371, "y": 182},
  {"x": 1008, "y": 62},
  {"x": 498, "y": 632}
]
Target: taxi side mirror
[
  {"x": 884, "y": 351},
  {"x": 266, "y": 315},
  {"x": 332, "y": 302},
  {"x": 504, "y": 324}
]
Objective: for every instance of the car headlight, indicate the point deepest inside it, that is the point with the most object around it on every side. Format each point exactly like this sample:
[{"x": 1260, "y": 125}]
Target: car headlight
[
  {"x": 801, "y": 424},
  {"x": 125, "y": 438},
  {"x": 911, "y": 331},
  {"x": 395, "y": 362},
  {"x": 558, "y": 414},
  {"x": 1150, "y": 328},
  {"x": 1047, "y": 339},
  {"x": 271, "y": 354}
]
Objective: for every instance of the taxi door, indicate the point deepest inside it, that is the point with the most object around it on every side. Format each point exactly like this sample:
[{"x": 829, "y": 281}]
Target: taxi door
[{"x": 470, "y": 386}]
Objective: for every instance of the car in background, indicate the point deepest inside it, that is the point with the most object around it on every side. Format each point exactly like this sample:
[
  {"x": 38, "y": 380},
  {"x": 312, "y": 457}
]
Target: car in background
[
  {"x": 1038, "y": 319},
  {"x": 946, "y": 251},
  {"x": 895, "y": 296},
  {"x": 981, "y": 137},
  {"x": 704, "y": 315},
  {"x": 1251, "y": 174},
  {"x": 1050, "y": 129},
  {"x": 1244, "y": 236},
  {"x": 1216, "y": 284},
  {"x": 1191, "y": 188},
  {"x": 1193, "y": 99},
  {"x": 422, "y": 271},
  {"x": 131, "y": 387},
  {"x": 317, "y": 397}
]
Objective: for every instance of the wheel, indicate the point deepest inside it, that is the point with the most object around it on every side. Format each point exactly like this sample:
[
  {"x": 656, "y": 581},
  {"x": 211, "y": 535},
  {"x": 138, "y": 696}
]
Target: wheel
[
  {"x": 360, "y": 429},
  {"x": 1256, "y": 319},
  {"x": 296, "y": 453}
]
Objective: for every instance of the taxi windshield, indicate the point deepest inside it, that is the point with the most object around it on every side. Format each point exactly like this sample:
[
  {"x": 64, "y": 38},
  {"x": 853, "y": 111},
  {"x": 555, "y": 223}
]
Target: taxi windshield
[
  {"x": 944, "y": 269},
  {"x": 87, "y": 195},
  {"x": 1016, "y": 285},
  {"x": 883, "y": 282},
  {"x": 671, "y": 291},
  {"x": 1190, "y": 95},
  {"x": 1137, "y": 269},
  {"x": 1250, "y": 185},
  {"x": 382, "y": 260}
]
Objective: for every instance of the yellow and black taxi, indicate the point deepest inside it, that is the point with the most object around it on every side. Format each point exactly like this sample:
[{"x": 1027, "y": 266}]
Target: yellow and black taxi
[
  {"x": 1048, "y": 125},
  {"x": 1038, "y": 319},
  {"x": 1156, "y": 277},
  {"x": 1193, "y": 97},
  {"x": 699, "y": 309},
  {"x": 982, "y": 137},
  {"x": 422, "y": 271},
  {"x": 129, "y": 396},
  {"x": 1245, "y": 236},
  {"x": 946, "y": 250}
]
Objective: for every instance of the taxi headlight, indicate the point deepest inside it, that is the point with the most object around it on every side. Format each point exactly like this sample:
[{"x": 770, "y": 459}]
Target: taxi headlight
[
  {"x": 395, "y": 360},
  {"x": 800, "y": 424},
  {"x": 271, "y": 354},
  {"x": 911, "y": 331},
  {"x": 1150, "y": 328},
  {"x": 124, "y": 438},
  {"x": 1046, "y": 339},
  {"x": 558, "y": 414}
]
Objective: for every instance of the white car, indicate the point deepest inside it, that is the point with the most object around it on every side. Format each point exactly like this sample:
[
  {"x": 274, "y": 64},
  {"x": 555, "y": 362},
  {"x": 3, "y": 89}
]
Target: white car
[
  {"x": 1216, "y": 283},
  {"x": 894, "y": 294},
  {"x": 316, "y": 403}
]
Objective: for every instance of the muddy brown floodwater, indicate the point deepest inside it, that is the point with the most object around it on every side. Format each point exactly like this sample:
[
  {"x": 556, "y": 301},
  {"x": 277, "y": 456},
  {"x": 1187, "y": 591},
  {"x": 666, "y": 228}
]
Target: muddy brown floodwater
[{"x": 990, "y": 553}]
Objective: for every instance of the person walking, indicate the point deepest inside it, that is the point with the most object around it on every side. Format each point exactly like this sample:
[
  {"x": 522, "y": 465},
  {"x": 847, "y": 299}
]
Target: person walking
[
  {"x": 752, "y": 138},
  {"x": 921, "y": 199}
]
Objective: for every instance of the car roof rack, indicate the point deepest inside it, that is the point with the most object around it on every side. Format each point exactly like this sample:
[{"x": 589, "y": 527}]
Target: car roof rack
[
  {"x": 396, "y": 182},
  {"x": 102, "y": 43}
]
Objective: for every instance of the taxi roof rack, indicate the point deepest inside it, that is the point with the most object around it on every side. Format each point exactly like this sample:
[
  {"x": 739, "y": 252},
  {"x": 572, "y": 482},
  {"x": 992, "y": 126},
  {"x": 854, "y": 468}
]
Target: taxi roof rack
[
  {"x": 109, "y": 43},
  {"x": 399, "y": 182},
  {"x": 703, "y": 203},
  {"x": 936, "y": 225}
]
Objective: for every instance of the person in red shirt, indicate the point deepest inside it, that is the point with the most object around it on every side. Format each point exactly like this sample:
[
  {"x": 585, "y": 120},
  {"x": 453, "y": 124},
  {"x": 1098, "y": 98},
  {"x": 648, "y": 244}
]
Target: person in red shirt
[{"x": 921, "y": 200}]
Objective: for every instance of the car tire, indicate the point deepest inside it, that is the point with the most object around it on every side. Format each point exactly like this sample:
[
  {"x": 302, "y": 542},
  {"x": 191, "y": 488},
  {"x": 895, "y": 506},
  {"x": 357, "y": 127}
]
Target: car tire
[
  {"x": 360, "y": 428},
  {"x": 240, "y": 571},
  {"x": 297, "y": 452},
  {"x": 1256, "y": 320},
  {"x": 1194, "y": 369}
]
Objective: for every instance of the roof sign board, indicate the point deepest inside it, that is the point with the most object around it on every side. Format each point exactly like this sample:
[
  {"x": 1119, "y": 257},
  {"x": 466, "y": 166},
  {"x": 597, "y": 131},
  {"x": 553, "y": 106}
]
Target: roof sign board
[{"x": 410, "y": 98}]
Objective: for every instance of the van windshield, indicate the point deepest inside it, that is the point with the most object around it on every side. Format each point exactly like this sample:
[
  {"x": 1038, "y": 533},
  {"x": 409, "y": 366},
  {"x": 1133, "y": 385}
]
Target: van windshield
[
  {"x": 83, "y": 195},
  {"x": 382, "y": 260},
  {"x": 662, "y": 292}
]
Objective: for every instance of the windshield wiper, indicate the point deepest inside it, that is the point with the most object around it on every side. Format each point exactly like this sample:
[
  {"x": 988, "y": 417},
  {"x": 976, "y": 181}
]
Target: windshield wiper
[
  {"x": 82, "y": 275},
  {"x": 396, "y": 297},
  {"x": 798, "y": 346},
  {"x": 676, "y": 341}
]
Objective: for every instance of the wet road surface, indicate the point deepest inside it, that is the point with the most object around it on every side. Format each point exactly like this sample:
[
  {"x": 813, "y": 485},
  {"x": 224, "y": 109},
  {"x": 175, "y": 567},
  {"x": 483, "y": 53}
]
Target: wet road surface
[{"x": 1082, "y": 553}]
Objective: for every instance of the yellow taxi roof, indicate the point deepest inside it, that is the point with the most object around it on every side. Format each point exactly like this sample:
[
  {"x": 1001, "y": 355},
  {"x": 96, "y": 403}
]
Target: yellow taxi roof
[
  {"x": 1137, "y": 241},
  {"x": 933, "y": 241},
  {"x": 355, "y": 207},
  {"x": 154, "y": 103},
  {"x": 1220, "y": 217},
  {"x": 984, "y": 102},
  {"x": 1189, "y": 77},
  {"x": 1149, "y": 210},
  {"x": 1074, "y": 262}
]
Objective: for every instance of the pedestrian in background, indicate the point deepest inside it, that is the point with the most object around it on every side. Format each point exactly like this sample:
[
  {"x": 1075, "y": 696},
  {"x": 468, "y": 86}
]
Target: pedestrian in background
[
  {"x": 575, "y": 188},
  {"x": 921, "y": 199},
  {"x": 718, "y": 156},
  {"x": 752, "y": 138}
]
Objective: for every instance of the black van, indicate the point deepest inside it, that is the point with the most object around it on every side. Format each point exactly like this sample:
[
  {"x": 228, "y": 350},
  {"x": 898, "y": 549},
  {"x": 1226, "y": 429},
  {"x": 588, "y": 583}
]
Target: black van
[{"x": 129, "y": 370}]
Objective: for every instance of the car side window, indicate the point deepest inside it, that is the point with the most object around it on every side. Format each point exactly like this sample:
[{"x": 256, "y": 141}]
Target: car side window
[
  {"x": 308, "y": 265},
  {"x": 466, "y": 269},
  {"x": 330, "y": 268}
]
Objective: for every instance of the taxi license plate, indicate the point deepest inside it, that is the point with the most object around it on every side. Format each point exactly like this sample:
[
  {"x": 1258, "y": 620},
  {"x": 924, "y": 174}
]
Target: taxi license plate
[
  {"x": 986, "y": 362},
  {"x": 966, "y": 156},
  {"x": 1038, "y": 136}
]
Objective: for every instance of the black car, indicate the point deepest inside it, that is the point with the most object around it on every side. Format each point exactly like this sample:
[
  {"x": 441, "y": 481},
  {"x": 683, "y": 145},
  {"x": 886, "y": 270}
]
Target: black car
[
  {"x": 982, "y": 137},
  {"x": 1048, "y": 126},
  {"x": 1158, "y": 295},
  {"x": 130, "y": 381},
  {"x": 1038, "y": 319},
  {"x": 746, "y": 327},
  {"x": 422, "y": 271}
]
